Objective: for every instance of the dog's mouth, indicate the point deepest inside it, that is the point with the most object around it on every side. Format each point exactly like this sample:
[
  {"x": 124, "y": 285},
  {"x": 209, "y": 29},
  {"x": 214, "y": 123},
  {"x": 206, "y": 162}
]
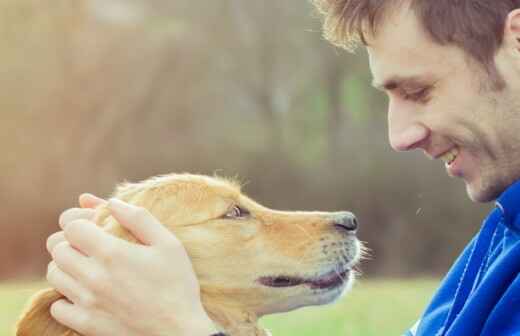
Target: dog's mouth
[{"x": 328, "y": 280}]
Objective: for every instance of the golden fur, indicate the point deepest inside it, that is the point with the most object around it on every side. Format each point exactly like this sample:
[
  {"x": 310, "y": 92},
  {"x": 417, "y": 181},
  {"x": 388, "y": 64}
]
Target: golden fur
[{"x": 229, "y": 255}]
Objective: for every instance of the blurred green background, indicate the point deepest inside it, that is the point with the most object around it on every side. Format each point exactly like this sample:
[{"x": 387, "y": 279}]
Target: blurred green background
[{"x": 96, "y": 92}]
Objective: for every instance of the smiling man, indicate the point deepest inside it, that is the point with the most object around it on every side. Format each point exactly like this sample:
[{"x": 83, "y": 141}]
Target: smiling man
[
  {"x": 451, "y": 69},
  {"x": 453, "y": 86}
]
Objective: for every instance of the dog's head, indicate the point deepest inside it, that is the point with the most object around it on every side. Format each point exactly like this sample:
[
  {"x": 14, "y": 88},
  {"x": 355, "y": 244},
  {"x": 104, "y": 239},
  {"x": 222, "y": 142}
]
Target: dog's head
[{"x": 245, "y": 255}]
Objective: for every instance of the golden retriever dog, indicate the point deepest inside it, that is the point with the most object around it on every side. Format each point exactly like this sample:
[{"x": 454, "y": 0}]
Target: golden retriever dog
[{"x": 250, "y": 260}]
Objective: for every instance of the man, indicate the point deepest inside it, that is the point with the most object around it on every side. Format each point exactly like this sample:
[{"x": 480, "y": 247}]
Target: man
[{"x": 451, "y": 69}]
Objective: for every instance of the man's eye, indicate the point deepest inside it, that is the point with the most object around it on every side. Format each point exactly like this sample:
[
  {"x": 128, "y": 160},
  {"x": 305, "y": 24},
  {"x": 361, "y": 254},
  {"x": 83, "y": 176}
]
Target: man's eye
[
  {"x": 417, "y": 95},
  {"x": 237, "y": 212}
]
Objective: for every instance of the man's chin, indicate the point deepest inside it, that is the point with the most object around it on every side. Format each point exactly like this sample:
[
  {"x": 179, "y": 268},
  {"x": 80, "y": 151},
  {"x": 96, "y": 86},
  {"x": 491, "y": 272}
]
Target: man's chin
[{"x": 480, "y": 193}]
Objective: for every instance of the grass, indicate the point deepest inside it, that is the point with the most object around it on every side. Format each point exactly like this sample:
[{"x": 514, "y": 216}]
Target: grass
[{"x": 374, "y": 307}]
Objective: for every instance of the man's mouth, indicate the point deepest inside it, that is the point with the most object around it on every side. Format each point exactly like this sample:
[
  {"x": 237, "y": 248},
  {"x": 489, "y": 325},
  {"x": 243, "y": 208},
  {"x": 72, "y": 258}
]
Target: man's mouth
[
  {"x": 328, "y": 280},
  {"x": 449, "y": 157}
]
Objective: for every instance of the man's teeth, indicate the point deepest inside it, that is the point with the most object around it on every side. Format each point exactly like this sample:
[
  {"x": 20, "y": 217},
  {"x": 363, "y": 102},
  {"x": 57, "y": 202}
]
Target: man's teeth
[{"x": 450, "y": 156}]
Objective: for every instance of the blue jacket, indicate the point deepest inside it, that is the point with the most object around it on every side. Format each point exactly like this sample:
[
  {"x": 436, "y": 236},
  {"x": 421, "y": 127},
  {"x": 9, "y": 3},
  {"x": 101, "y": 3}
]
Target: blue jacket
[{"x": 480, "y": 295}]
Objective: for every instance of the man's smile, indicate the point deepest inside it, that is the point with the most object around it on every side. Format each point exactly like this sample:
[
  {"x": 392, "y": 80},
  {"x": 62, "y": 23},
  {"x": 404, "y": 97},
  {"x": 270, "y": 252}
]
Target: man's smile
[{"x": 450, "y": 156}]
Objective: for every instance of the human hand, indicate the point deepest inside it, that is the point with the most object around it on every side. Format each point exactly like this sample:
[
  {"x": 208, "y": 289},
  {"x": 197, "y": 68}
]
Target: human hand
[{"x": 115, "y": 287}]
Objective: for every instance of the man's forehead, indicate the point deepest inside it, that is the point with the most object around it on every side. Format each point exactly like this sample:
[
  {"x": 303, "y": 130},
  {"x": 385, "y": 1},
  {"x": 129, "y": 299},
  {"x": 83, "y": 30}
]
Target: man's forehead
[
  {"x": 402, "y": 52},
  {"x": 402, "y": 67}
]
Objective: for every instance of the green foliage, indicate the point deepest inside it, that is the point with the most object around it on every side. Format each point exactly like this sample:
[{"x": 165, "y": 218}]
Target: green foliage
[
  {"x": 374, "y": 307},
  {"x": 356, "y": 94},
  {"x": 308, "y": 130}
]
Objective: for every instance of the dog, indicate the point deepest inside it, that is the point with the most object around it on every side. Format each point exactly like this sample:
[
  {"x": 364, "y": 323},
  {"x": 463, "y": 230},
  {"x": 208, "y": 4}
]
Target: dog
[{"x": 250, "y": 260}]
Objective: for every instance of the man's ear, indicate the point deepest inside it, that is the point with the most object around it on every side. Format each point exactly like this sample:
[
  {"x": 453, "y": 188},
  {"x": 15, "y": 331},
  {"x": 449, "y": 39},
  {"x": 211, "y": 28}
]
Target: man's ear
[{"x": 512, "y": 32}]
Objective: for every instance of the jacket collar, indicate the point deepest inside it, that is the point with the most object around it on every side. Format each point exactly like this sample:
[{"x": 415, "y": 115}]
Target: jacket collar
[{"x": 509, "y": 204}]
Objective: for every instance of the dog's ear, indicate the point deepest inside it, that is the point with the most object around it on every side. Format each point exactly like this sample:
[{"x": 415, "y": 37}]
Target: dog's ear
[{"x": 37, "y": 319}]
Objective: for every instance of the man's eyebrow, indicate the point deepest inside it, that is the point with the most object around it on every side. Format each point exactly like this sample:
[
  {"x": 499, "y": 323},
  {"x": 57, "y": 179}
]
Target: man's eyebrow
[{"x": 396, "y": 82}]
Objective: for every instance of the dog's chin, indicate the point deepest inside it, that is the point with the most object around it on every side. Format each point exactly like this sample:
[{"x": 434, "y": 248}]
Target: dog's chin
[{"x": 311, "y": 291}]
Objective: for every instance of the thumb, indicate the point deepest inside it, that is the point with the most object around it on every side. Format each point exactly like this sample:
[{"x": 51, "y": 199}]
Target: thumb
[
  {"x": 140, "y": 222},
  {"x": 90, "y": 201}
]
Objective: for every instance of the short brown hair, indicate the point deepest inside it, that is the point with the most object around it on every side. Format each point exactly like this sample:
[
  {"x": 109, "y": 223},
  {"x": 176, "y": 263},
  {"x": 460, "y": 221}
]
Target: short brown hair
[{"x": 475, "y": 26}]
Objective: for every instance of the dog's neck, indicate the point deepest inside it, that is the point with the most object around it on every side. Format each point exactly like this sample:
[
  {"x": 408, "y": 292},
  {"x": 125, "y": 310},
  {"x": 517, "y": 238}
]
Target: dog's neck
[{"x": 234, "y": 321}]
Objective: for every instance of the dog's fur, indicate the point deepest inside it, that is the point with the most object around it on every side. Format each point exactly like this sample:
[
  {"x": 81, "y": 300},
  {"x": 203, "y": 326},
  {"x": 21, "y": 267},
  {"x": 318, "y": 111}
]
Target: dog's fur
[{"x": 230, "y": 255}]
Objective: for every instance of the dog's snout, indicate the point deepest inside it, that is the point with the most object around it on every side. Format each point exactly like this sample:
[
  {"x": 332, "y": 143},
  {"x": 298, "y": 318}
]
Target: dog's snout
[{"x": 346, "y": 221}]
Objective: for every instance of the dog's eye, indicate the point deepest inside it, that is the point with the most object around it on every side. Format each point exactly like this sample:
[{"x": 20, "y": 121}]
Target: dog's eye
[{"x": 237, "y": 212}]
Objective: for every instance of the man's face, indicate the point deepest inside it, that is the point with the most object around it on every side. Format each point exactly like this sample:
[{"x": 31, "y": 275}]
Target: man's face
[{"x": 442, "y": 102}]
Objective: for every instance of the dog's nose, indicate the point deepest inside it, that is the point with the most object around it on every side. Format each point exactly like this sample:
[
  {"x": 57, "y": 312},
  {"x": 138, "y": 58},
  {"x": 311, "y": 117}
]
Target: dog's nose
[{"x": 346, "y": 221}]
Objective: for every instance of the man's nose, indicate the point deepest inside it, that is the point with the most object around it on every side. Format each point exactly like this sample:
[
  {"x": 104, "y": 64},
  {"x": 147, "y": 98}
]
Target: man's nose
[
  {"x": 345, "y": 221},
  {"x": 404, "y": 132},
  {"x": 408, "y": 138}
]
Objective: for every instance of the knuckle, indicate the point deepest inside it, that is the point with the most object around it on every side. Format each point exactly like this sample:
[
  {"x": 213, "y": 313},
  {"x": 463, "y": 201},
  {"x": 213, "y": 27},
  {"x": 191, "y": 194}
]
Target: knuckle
[
  {"x": 92, "y": 279},
  {"x": 107, "y": 253},
  {"x": 100, "y": 287},
  {"x": 87, "y": 300},
  {"x": 73, "y": 214},
  {"x": 98, "y": 283},
  {"x": 51, "y": 271},
  {"x": 60, "y": 251},
  {"x": 65, "y": 216},
  {"x": 53, "y": 240},
  {"x": 73, "y": 226}
]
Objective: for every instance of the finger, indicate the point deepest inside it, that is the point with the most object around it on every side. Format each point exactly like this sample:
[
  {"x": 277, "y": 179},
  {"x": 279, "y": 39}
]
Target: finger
[
  {"x": 90, "y": 201},
  {"x": 141, "y": 223},
  {"x": 87, "y": 321},
  {"x": 72, "y": 262},
  {"x": 71, "y": 315},
  {"x": 65, "y": 284},
  {"x": 54, "y": 239},
  {"x": 92, "y": 241},
  {"x": 75, "y": 213}
]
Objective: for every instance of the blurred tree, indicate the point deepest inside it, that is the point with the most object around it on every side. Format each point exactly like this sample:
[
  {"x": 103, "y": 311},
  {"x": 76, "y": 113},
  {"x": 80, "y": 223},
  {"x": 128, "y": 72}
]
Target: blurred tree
[{"x": 95, "y": 92}]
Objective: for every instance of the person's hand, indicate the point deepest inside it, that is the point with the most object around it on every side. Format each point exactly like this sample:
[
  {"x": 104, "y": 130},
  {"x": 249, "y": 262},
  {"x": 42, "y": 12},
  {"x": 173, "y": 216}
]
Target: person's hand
[{"x": 115, "y": 287}]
